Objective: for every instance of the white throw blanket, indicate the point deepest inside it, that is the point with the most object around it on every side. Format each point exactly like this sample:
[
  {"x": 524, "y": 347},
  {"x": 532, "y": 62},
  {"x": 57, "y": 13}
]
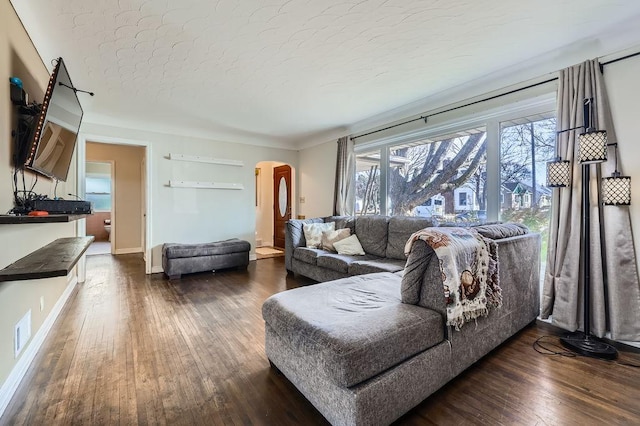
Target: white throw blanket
[{"x": 468, "y": 265}]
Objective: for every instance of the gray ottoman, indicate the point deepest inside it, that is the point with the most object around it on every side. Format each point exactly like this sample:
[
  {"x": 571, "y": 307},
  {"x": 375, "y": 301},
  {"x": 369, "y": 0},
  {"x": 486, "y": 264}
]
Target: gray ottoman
[{"x": 178, "y": 259}]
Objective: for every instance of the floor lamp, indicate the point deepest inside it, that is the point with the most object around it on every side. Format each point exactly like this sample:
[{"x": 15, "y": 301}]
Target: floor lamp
[{"x": 616, "y": 190}]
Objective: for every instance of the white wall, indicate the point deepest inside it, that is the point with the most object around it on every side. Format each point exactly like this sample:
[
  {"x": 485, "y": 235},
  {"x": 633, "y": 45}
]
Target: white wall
[
  {"x": 19, "y": 58},
  {"x": 621, "y": 79},
  {"x": 316, "y": 179},
  {"x": 190, "y": 215}
]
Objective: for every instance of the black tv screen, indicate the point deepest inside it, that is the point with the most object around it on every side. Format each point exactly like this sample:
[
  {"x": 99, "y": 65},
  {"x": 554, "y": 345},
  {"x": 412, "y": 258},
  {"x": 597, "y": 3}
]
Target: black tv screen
[{"x": 54, "y": 138}]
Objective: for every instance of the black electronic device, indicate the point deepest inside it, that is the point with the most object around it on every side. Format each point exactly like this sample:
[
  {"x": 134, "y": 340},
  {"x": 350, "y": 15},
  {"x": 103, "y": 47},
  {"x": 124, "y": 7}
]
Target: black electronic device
[
  {"x": 18, "y": 95},
  {"x": 61, "y": 206}
]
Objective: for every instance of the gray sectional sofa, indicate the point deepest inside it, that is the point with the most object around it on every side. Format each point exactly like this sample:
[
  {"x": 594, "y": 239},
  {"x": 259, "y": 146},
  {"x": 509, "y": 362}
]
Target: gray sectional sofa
[
  {"x": 365, "y": 349},
  {"x": 382, "y": 238}
]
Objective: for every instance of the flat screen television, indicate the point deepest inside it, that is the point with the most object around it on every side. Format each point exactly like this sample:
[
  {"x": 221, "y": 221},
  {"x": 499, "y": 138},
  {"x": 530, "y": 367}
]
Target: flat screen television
[{"x": 56, "y": 129}]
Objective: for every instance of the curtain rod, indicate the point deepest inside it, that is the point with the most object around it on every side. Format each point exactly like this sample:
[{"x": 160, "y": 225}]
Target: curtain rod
[
  {"x": 631, "y": 55},
  {"x": 425, "y": 117}
]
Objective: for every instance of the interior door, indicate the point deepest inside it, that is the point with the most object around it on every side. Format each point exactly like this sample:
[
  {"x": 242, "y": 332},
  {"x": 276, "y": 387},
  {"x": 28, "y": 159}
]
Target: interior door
[{"x": 281, "y": 203}]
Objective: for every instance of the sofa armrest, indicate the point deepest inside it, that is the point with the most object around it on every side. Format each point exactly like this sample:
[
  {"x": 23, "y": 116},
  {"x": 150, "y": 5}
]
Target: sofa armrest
[{"x": 294, "y": 237}]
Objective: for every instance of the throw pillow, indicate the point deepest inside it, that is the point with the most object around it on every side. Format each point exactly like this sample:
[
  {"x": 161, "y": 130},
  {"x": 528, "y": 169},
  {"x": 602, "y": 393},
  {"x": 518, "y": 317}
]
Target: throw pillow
[
  {"x": 313, "y": 233},
  {"x": 350, "y": 245},
  {"x": 329, "y": 238}
]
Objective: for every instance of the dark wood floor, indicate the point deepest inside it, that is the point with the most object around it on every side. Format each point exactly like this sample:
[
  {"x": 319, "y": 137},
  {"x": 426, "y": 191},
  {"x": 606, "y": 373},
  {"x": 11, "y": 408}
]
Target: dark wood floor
[{"x": 134, "y": 349}]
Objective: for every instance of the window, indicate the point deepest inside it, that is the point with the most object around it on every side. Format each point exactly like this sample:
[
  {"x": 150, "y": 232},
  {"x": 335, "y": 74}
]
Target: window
[
  {"x": 368, "y": 183},
  {"x": 98, "y": 189},
  {"x": 438, "y": 169},
  {"x": 466, "y": 168},
  {"x": 474, "y": 172},
  {"x": 526, "y": 145}
]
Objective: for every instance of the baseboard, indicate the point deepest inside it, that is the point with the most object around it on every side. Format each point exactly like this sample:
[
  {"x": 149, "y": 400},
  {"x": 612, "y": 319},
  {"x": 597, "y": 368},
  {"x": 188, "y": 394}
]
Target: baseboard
[
  {"x": 252, "y": 256},
  {"x": 129, "y": 250},
  {"x": 10, "y": 385},
  {"x": 156, "y": 269}
]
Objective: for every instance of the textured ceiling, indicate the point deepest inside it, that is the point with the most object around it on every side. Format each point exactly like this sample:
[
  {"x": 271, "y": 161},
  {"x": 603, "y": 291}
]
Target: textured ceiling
[{"x": 287, "y": 71}]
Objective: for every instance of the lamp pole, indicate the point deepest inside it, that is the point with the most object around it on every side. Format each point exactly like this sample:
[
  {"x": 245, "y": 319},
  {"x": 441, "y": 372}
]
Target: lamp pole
[{"x": 584, "y": 343}]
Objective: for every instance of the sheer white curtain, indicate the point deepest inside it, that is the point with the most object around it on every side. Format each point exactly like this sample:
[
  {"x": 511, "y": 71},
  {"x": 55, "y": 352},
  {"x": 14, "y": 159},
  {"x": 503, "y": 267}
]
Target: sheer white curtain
[{"x": 615, "y": 291}]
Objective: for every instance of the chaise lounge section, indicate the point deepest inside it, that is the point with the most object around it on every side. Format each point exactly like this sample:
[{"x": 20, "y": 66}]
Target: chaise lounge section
[{"x": 366, "y": 349}]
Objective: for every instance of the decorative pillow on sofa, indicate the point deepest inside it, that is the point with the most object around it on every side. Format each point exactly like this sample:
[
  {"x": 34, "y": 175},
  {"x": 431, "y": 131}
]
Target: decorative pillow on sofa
[
  {"x": 350, "y": 245},
  {"x": 313, "y": 233},
  {"x": 329, "y": 238}
]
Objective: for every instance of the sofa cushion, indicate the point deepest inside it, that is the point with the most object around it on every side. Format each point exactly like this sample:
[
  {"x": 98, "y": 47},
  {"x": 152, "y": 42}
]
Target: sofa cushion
[
  {"x": 343, "y": 222},
  {"x": 422, "y": 279},
  {"x": 308, "y": 255},
  {"x": 329, "y": 238},
  {"x": 360, "y": 267},
  {"x": 400, "y": 229},
  {"x": 313, "y": 233},
  {"x": 335, "y": 261},
  {"x": 372, "y": 232},
  {"x": 353, "y": 328},
  {"x": 350, "y": 245}
]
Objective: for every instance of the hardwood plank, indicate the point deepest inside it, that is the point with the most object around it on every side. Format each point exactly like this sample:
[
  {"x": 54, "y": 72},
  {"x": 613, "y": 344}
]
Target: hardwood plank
[
  {"x": 56, "y": 259},
  {"x": 135, "y": 349}
]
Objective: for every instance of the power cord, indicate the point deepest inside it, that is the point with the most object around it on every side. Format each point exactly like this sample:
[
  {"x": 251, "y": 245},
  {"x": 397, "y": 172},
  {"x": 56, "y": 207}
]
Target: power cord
[{"x": 552, "y": 348}]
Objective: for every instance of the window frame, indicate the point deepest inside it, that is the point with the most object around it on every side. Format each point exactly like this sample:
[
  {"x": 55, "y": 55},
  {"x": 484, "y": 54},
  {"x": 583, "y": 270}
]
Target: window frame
[
  {"x": 461, "y": 120},
  {"x": 110, "y": 193}
]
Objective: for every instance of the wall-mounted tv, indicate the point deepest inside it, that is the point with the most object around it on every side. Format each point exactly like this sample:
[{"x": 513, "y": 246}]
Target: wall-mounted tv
[{"x": 54, "y": 137}]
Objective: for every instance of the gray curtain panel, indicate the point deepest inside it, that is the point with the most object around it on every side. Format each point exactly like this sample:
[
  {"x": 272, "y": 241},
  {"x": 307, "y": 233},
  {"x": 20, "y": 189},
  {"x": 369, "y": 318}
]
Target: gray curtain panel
[
  {"x": 615, "y": 292},
  {"x": 344, "y": 195}
]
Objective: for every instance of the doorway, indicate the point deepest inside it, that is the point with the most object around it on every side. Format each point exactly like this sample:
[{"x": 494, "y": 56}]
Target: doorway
[
  {"x": 127, "y": 220},
  {"x": 281, "y": 203},
  {"x": 99, "y": 189},
  {"x": 270, "y": 224}
]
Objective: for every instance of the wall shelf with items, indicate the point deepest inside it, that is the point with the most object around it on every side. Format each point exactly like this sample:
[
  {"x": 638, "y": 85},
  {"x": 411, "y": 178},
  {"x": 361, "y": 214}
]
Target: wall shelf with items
[
  {"x": 9, "y": 219},
  {"x": 56, "y": 259},
  {"x": 201, "y": 159},
  {"x": 204, "y": 185}
]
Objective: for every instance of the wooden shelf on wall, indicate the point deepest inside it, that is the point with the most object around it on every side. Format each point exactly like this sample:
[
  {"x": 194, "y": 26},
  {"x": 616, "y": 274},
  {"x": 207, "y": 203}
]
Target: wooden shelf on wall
[
  {"x": 56, "y": 259},
  {"x": 7, "y": 219},
  {"x": 204, "y": 185},
  {"x": 202, "y": 159}
]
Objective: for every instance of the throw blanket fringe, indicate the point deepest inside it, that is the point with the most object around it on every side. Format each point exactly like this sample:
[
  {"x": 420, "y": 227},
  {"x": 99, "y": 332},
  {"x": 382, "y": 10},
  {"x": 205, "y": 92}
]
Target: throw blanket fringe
[{"x": 469, "y": 268}]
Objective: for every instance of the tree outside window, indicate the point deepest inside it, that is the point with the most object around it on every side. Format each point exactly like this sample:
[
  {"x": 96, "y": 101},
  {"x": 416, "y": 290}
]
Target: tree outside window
[
  {"x": 526, "y": 145},
  {"x": 426, "y": 177}
]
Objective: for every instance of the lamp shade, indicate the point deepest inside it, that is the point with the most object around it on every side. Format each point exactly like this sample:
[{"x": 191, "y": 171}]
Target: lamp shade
[
  {"x": 593, "y": 146},
  {"x": 558, "y": 173},
  {"x": 616, "y": 190}
]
